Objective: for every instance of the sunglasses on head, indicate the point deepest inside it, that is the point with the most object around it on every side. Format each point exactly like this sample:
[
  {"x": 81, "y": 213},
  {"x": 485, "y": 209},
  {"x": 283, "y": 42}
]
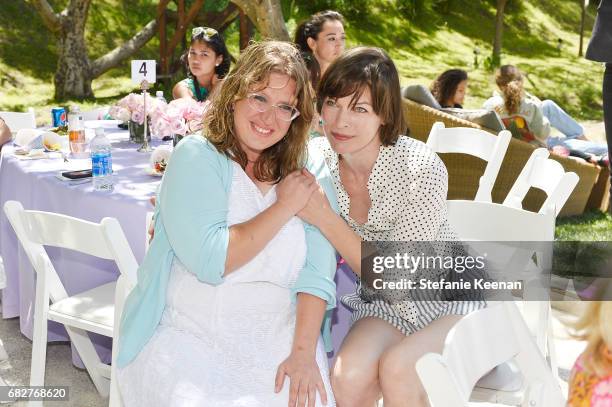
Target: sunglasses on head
[{"x": 206, "y": 31}]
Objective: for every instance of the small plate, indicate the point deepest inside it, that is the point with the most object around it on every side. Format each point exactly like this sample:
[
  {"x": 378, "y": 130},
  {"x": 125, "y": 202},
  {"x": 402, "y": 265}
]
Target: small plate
[{"x": 150, "y": 171}]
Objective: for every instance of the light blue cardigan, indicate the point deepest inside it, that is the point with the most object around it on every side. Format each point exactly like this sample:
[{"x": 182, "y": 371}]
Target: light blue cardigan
[{"x": 191, "y": 224}]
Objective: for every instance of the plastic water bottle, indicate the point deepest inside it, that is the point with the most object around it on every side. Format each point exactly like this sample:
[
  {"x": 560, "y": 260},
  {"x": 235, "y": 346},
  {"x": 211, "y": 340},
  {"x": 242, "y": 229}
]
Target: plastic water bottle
[
  {"x": 101, "y": 162},
  {"x": 159, "y": 95}
]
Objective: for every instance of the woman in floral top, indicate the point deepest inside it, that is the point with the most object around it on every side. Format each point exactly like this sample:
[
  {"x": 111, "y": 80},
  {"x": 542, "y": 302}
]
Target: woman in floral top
[{"x": 591, "y": 379}]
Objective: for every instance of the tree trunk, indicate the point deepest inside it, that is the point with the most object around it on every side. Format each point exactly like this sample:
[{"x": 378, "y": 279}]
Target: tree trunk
[
  {"x": 75, "y": 71},
  {"x": 267, "y": 15},
  {"x": 499, "y": 29},
  {"x": 582, "y": 17},
  {"x": 73, "y": 74}
]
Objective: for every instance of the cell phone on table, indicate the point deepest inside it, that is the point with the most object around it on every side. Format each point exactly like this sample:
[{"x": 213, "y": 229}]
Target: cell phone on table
[{"x": 77, "y": 174}]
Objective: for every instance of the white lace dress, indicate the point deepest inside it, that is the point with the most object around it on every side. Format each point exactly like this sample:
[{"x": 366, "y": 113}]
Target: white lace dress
[{"x": 219, "y": 346}]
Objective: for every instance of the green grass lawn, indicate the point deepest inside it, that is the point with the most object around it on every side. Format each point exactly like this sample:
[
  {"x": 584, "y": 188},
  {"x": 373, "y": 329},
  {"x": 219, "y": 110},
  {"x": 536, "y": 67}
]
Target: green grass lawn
[
  {"x": 591, "y": 226},
  {"x": 422, "y": 48}
]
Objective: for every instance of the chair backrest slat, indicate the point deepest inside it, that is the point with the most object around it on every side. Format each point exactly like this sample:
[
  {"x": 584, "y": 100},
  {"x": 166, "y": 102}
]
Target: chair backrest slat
[
  {"x": 51, "y": 229},
  {"x": 36, "y": 229},
  {"x": 486, "y": 221},
  {"x": 19, "y": 120},
  {"x": 547, "y": 175},
  {"x": 479, "y": 143}
]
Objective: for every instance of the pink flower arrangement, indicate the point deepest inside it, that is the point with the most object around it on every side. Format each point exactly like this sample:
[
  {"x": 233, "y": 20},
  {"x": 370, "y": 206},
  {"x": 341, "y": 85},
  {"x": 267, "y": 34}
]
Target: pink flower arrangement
[
  {"x": 131, "y": 107},
  {"x": 181, "y": 116}
]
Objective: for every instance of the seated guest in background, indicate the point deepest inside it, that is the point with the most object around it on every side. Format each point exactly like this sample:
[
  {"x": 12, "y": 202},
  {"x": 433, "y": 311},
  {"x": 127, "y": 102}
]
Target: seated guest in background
[
  {"x": 535, "y": 117},
  {"x": 321, "y": 40},
  {"x": 449, "y": 88},
  {"x": 232, "y": 293},
  {"x": 5, "y": 133},
  {"x": 390, "y": 188},
  {"x": 590, "y": 383},
  {"x": 207, "y": 61}
]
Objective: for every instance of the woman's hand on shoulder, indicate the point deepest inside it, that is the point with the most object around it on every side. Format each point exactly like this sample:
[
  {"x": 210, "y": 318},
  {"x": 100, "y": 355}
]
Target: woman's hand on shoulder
[
  {"x": 295, "y": 189},
  {"x": 317, "y": 208},
  {"x": 304, "y": 379}
]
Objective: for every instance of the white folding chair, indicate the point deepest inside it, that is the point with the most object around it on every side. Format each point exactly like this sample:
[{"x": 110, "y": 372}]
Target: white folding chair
[
  {"x": 19, "y": 120},
  {"x": 547, "y": 175},
  {"x": 491, "y": 222},
  {"x": 96, "y": 310},
  {"x": 475, "y": 142},
  {"x": 95, "y": 114},
  {"x": 478, "y": 343}
]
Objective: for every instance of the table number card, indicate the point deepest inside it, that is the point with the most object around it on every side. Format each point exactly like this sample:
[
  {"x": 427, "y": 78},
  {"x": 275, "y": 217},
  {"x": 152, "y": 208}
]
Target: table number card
[{"x": 143, "y": 70}]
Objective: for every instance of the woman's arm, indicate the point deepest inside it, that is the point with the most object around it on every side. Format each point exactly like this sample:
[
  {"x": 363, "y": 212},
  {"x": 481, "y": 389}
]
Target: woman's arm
[
  {"x": 247, "y": 239},
  {"x": 193, "y": 206},
  {"x": 540, "y": 126},
  {"x": 301, "y": 365},
  {"x": 317, "y": 212},
  {"x": 181, "y": 90}
]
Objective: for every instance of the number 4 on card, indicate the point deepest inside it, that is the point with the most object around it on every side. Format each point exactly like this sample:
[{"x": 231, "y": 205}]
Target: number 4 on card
[{"x": 143, "y": 70}]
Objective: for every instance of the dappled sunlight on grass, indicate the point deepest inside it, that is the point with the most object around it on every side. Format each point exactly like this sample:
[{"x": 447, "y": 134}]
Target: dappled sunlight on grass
[
  {"x": 422, "y": 48},
  {"x": 591, "y": 226}
]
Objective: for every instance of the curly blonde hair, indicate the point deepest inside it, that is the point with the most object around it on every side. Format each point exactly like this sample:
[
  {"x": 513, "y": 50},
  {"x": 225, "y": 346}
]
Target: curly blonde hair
[
  {"x": 510, "y": 81},
  {"x": 251, "y": 72}
]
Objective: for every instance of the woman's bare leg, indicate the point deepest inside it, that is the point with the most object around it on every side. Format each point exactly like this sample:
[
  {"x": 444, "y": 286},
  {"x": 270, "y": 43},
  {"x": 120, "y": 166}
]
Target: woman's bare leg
[
  {"x": 399, "y": 381},
  {"x": 354, "y": 378}
]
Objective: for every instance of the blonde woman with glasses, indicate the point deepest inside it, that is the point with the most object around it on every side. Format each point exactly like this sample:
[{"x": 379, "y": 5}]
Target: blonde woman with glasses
[{"x": 232, "y": 294}]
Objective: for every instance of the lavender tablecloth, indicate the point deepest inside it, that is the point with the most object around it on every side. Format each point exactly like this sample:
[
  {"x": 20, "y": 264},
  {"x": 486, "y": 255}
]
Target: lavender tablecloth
[{"x": 35, "y": 185}]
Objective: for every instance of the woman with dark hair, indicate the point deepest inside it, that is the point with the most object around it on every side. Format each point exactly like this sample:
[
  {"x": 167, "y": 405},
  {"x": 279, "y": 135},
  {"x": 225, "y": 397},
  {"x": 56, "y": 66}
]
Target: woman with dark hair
[
  {"x": 449, "y": 88},
  {"x": 232, "y": 294},
  {"x": 390, "y": 188},
  {"x": 321, "y": 40},
  {"x": 207, "y": 61}
]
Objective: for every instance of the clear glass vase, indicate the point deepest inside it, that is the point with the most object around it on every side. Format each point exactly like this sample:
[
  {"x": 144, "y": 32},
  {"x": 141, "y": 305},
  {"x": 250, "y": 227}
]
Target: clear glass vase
[{"x": 137, "y": 132}]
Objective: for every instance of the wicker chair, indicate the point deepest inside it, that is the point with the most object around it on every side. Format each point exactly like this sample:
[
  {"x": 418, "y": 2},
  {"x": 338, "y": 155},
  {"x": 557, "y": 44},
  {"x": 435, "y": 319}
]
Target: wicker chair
[{"x": 464, "y": 171}]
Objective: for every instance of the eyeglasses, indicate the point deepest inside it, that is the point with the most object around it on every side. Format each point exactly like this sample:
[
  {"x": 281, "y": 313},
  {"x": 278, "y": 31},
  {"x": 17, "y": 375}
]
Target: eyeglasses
[
  {"x": 282, "y": 111},
  {"x": 206, "y": 31}
]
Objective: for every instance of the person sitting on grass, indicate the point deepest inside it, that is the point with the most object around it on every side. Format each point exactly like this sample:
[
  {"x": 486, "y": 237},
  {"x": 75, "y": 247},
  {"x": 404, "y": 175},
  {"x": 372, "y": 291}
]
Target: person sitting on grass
[{"x": 450, "y": 87}]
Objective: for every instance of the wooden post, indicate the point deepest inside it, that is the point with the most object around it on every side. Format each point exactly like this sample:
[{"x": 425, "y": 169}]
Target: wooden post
[
  {"x": 184, "y": 21},
  {"x": 582, "y": 15},
  {"x": 161, "y": 17},
  {"x": 246, "y": 29},
  {"x": 167, "y": 48}
]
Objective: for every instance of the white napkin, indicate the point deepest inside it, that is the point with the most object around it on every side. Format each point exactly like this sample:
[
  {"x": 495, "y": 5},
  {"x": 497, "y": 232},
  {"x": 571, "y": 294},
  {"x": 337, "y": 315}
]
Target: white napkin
[
  {"x": 31, "y": 138},
  {"x": 35, "y": 138}
]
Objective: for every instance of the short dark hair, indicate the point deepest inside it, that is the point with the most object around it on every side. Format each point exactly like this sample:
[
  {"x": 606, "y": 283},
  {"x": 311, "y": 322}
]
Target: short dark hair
[
  {"x": 216, "y": 43},
  {"x": 370, "y": 67},
  {"x": 445, "y": 85}
]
